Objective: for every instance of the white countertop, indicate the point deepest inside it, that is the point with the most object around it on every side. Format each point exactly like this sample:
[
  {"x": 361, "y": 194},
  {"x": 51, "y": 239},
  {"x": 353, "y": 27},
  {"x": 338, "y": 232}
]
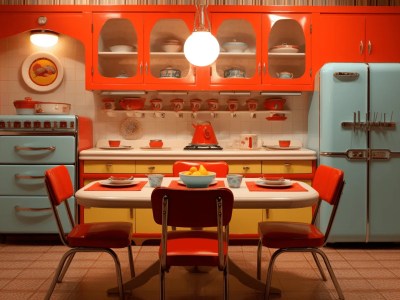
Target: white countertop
[{"x": 137, "y": 153}]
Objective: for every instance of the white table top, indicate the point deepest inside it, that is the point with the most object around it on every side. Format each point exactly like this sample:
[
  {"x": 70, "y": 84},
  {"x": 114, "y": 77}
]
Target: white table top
[{"x": 243, "y": 197}]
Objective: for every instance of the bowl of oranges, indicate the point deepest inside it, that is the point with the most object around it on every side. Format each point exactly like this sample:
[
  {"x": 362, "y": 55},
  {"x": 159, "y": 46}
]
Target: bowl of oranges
[{"x": 197, "y": 177}]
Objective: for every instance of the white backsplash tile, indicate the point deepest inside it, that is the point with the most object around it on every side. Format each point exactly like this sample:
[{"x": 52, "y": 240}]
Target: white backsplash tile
[{"x": 173, "y": 130}]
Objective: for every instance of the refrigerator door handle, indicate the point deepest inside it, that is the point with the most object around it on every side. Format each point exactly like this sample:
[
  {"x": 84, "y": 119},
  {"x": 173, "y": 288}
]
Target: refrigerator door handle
[
  {"x": 346, "y": 76},
  {"x": 351, "y": 154},
  {"x": 383, "y": 154}
]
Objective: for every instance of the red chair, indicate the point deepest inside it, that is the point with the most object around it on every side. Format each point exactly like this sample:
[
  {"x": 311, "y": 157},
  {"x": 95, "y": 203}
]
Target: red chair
[
  {"x": 304, "y": 237},
  {"x": 193, "y": 208},
  {"x": 90, "y": 237},
  {"x": 221, "y": 168}
]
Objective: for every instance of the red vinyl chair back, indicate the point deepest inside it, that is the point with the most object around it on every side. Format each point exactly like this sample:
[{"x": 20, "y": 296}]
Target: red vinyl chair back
[
  {"x": 221, "y": 168},
  {"x": 193, "y": 208},
  {"x": 89, "y": 237}
]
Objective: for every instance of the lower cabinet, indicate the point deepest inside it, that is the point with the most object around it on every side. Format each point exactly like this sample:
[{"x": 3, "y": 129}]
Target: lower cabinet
[{"x": 244, "y": 223}]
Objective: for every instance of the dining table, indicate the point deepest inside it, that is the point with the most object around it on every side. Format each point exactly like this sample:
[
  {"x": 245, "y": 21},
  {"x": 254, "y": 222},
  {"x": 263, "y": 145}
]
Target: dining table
[{"x": 251, "y": 194}]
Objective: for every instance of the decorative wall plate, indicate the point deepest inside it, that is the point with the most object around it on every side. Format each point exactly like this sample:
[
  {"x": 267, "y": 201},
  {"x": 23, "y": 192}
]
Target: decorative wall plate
[
  {"x": 130, "y": 129},
  {"x": 42, "y": 71}
]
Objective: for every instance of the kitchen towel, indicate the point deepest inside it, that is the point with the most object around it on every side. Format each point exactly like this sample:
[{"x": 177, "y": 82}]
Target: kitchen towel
[
  {"x": 253, "y": 187},
  {"x": 176, "y": 185},
  {"x": 98, "y": 187}
]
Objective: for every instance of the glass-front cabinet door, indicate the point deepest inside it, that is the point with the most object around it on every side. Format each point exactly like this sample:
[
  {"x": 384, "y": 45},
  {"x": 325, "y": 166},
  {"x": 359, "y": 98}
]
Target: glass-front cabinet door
[
  {"x": 118, "y": 48},
  {"x": 239, "y": 37},
  {"x": 287, "y": 49},
  {"x": 164, "y": 37},
  {"x": 133, "y": 48}
]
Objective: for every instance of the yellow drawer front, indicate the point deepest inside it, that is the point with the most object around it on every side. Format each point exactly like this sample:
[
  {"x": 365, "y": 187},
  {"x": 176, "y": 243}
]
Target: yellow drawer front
[
  {"x": 245, "y": 221},
  {"x": 245, "y": 167},
  {"x": 287, "y": 166},
  {"x": 150, "y": 166},
  {"x": 95, "y": 214},
  {"x": 145, "y": 222},
  {"x": 112, "y": 166},
  {"x": 303, "y": 214}
]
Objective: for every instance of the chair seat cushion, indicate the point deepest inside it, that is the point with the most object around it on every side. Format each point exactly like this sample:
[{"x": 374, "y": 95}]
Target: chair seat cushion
[
  {"x": 290, "y": 235},
  {"x": 101, "y": 234},
  {"x": 193, "y": 248}
]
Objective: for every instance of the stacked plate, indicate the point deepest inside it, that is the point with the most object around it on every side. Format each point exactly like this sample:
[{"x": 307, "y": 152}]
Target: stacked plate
[
  {"x": 284, "y": 48},
  {"x": 274, "y": 182},
  {"x": 118, "y": 181}
]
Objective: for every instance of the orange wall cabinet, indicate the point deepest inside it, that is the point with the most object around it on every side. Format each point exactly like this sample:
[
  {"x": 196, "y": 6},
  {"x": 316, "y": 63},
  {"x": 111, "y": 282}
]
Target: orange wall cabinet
[
  {"x": 141, "y": 64},
  {"x": 356, "y": 38}
]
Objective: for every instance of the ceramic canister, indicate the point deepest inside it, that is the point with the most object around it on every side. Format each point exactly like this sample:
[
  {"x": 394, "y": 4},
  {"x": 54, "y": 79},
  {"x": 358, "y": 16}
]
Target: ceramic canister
[{"x": 248, "y": 141}]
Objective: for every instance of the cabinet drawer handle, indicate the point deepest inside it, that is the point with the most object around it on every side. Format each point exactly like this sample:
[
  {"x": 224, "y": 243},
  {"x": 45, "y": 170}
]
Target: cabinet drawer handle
[
  {"x": 51, "y": 148},
  {"x": 361, "y": 47},
  {"x": 246, "y": 168},
  {"x": 19, "y": 176},
  {"x": 109, "y": 165},
  {"x": 287, "y": 165},
  {"x": 369, "y": 47},
  {"x": 20, "y": 208},
  {"x": 151, "y": 168}
]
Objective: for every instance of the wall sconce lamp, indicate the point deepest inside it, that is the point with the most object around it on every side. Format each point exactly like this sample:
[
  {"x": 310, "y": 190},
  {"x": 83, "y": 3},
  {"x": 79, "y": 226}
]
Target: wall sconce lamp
[
  {"x": 44, "y": 38},
  {"x": 201, "y": 48}
]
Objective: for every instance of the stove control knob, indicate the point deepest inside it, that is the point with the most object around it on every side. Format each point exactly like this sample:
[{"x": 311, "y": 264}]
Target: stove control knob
[
  {"x": 17, "y": 124},
  {"x": 47, "y": 124},
  {"x": 2, "y": 124},
  {"x": 27, "y": 124},
  {"x": 37, "y": 124},
  {"x": 63, "y": 124}
]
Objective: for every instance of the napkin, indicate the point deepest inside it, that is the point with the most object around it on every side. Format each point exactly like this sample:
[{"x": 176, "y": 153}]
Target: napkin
[
  {"x": 98, "y": 187},
  {"x": 253, "y": 187}
]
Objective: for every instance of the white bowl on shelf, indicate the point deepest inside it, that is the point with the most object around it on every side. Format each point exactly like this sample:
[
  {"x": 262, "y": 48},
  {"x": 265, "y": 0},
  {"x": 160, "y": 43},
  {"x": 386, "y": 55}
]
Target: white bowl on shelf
[
  {"x": 122, "y": 48},
  {"x": 171, "y": 47},
  {"x": 235, "y": 47}
]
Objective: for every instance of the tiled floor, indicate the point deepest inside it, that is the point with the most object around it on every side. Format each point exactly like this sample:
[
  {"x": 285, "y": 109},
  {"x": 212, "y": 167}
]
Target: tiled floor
[{"x": 364, "y": 272}]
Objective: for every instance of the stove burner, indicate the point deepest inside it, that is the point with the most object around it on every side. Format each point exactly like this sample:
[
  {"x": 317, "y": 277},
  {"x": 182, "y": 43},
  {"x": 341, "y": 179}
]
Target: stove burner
[{"x": 202, "y": 147}]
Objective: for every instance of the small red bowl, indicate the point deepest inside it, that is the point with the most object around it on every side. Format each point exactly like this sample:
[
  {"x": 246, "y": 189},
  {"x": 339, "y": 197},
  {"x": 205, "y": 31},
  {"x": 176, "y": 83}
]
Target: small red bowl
[
  {"x": 284, "y": 143},
  {"x": 132, "y": 103},
  {"x": 274, "y": 104},
  {"x": 156, "y": 143},
  {"x": 114, "y": 143}
]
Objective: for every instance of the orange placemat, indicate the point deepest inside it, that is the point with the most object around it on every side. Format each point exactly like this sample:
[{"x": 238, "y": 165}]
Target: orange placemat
[
  {"x": 175, "y": 185},
  {"x": 98, "y": 187},
  {"x": 253, "y": 187}
]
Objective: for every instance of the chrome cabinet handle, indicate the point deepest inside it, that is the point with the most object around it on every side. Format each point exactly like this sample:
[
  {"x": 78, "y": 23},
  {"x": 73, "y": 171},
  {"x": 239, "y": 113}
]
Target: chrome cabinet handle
[
  {"x": 361, "y": 47},
  {"x": 246, "y": 168},
  {"x": 287, "y": 165},
  {"x": 19, "y": 148},
  {"x": 264, "y": 68},
  {"x": 20, "y": 208},
  {"x": 369, "y": 47},
  {"x": 19, "y": 176},
  {"x": 141, "y": 68},
  {"x": 151, "y": 168},
  {"x": 259, "y": 68},
  {"x": 146, "y": 68}
]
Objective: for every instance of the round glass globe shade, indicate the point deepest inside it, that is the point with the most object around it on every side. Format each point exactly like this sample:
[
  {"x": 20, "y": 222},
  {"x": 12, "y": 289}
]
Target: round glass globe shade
[
  {"x": 44, "y": 39},
  {"x": 201, "y": 48}
]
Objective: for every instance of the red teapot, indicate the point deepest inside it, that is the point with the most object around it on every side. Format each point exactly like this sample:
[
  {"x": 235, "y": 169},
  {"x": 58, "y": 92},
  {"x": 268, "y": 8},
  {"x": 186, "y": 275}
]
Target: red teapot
[{"x": 204, "y": 134}]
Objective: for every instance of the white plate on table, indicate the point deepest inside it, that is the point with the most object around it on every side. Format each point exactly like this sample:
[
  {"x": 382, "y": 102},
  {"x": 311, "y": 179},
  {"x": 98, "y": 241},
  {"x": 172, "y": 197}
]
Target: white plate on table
[
  {"x": 113, "y": 184},
  {"x": 277, "y": 147},
  {"x": 212, "y": 182},
  {"x": 286, "y": 183},
  {"x": 116, "y": 148}
]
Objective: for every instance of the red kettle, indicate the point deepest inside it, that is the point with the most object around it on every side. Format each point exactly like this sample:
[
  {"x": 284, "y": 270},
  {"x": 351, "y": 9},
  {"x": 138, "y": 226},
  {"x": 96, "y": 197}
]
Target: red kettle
[{"x": 204, "y": 134}]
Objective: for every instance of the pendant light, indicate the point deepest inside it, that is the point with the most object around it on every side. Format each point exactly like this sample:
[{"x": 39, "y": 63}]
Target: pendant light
[
  {"x": 201, "y": 48},
  {"x": 44, "y": 38}
]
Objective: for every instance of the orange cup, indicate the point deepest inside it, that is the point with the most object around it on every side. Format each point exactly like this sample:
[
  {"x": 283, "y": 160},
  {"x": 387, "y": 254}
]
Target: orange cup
[
  {"x": 284, "y": 143},
  {"x": 114, "y": 143}
]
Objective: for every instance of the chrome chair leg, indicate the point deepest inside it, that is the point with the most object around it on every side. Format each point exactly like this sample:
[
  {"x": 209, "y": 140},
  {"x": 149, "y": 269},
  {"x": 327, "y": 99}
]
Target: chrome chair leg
[
  {"x": 131, "y": 265},
  {"x": 269, "y": 272},
  {"x": 259, "y": 251},
  {"x": 331, "y": 273},
  {"x": 66, "y": 266},
  {"x": 118, "y": 271},
  {"x": 226, "y": 282},
  {"x": 321, "y": 271},
  {"x": 60, "y": 267}
]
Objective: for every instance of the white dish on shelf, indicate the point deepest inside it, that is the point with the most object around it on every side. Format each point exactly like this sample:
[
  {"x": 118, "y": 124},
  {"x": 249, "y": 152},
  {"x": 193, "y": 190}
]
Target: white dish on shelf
[
  {"x": 235, "y": 47},
  {"x": 287, "y": 183},
  {"x": 285, "y": 49},
  {"x": 116, "y": 148},
  {"x": 111, "y": 184},
  {"x": 122, "y": 48}
]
